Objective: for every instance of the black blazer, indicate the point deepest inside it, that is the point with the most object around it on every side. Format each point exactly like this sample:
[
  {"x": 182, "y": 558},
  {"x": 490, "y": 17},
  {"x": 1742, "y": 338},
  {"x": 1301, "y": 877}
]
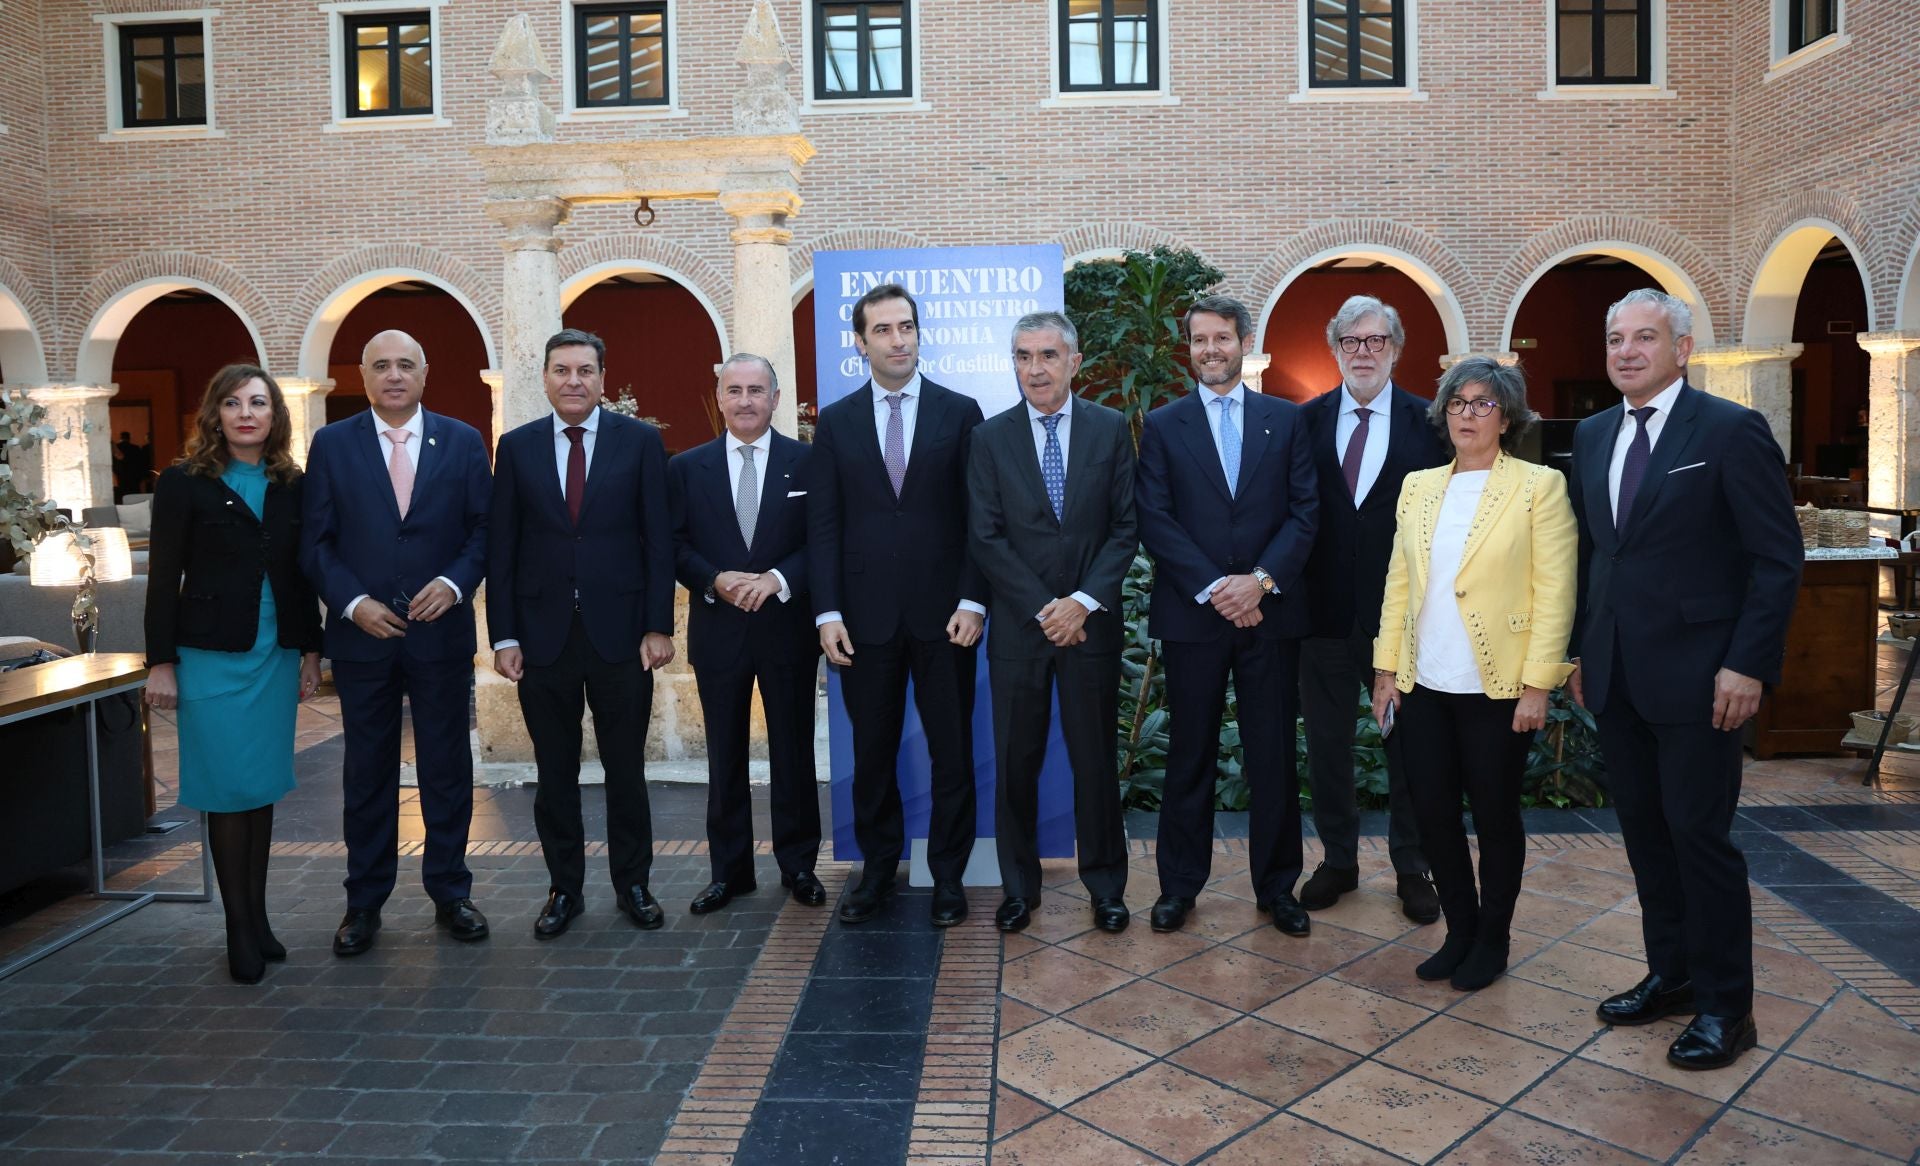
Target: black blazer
[
  {"x": 618, "y": 561},
  {"x": 204, "y": 565},
  {"x": 706, "y": 541},
  {"x": 1197, "y": 532},
  {"x": 1709, "y": 570},
  {"x": 1348, "y": 568},
  {"x": 1029, "y": 557},
  {"x": 882, "y": 562}
]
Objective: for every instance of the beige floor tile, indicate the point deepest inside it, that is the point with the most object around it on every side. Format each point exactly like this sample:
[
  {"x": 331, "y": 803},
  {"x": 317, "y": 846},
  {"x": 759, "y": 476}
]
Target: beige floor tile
[
  {"x": 1062, "y": 1141},
  {"x": 1864, "y": 1039},
  {"x": 1612, "y": 859},
  {"x": 1219, "y": 916},
  {"x": 1059, "y": 916},
  {"x": 1786, "y": 973},
  {"x": 1176, "y": 1114},
  {"x": 1389, "y": 971},
  {"x": 1629, "y": 1111},
  {"x": 1139, "y": 950},
  {"x": 1642, "y": 1049},
  {"x": 1524, "y": 1008},
  {"x": 1270, "y": 1062},
  {"x": 1616, "y": 932},
  {"x": 1565, "y": 880},
  {"x": 1583, "y": 971},
  {"x": 1342, "y": 1014},
  {"x": 1056, "y": 980},
  {"x": 1151, "y": 1016},
  {"x": 1394, "y": 1111},
  {"x": 1472, "y": 1059},
  {"x": 1746, "y": 1139},
  {"x": 1013, "y": 946},
  {"x": 1325, "y": 949},
  {"x": 1549, "y": 916},
  {"x": 1058, "y": 1063},
  {"x": 1778, "y": 1018},
  {"x": 1853, "y": 1109},
  {"x": 1514, "y": 1139},
  {"x": 1015, "y": 1016},
  {"x": 1014, "y": 1111},
  {"x": 1237, "y": 979},
  {"x": 1372, "y": 912},
  {"x": 1284, "y": 1138}
]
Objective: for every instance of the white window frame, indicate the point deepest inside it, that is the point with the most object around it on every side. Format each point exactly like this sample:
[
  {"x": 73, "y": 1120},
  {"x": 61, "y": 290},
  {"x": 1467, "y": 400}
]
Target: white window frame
[
  {"x": 1656, "y": 87},
  {"x": 571, "y": 113},
  {"x": 110, "y": 24},
  {"x": 1411, "y": 91},
  {"x": 1781, "y": 62},
  {"x": 1163, "y": 95},
  {"x": 913, "y": 102},
  {"x": 337, "y": 67}
]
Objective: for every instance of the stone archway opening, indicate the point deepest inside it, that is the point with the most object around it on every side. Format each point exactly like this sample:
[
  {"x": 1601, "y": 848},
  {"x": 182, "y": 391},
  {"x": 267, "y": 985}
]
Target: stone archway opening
[
  {"x": 1293, "y": 329},
  {"x": 1558, "y": 330},
  {"x": 456, "y": 345},
  {"x": 163, "y": 354},
  {"x": 1831, "y": 373},
  {"x": 663, "y": 340}
]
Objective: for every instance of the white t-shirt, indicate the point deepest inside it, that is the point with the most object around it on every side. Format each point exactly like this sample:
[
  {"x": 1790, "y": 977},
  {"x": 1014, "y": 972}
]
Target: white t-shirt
[{"x": 1443, "y": 655}]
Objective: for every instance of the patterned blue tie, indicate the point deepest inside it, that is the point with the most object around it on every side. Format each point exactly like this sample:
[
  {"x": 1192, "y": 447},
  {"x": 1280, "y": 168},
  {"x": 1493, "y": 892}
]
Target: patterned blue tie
[
  {"x": 1053, "y": 467},
  {"x": 1229, "y": 443}
]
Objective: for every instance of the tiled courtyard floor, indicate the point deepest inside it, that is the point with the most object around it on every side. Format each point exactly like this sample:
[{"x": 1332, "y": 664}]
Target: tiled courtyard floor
[{"x": 766, "y": 1036}]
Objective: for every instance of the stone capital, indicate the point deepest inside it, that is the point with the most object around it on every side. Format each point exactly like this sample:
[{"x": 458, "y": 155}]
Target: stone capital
[
  {"x": 1895, "y": 344},
  {"x": 52, "y": 395},
  {"x": 1735, "y": 355},
  {"x": 760, "y": 208},
  {"x": 1253, "y": 368},
  {"x": 529, "y": 222},
  {"x": 1452, "y": 358}
]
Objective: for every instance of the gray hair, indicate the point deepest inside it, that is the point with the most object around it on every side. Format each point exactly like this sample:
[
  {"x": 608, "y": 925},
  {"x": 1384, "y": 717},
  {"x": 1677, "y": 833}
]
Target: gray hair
[
  {"x": 773, "y": 378},
  {"x": 1041, "y": 322},
  {"x": 1358, "y": 308},
  {"x": 1227, "y": 308},
  {"x": 1508, "y": 385},
  {"x": 1679, "y": 315}
]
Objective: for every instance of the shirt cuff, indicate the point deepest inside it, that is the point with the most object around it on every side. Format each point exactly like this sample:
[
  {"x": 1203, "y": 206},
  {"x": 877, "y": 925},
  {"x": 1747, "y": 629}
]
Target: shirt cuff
[
  {"x": 785, "y": 593},
  {"x": 505, "y": 644},
  {"x": 975, "y": 608},
  {"x": 458, "y": 595},
  {"x": 827, "y": 617},
  {"x": 1087, "y": 601},
  {"x": 1206, "y": 596},
  {"x": 346, "y": 613}
]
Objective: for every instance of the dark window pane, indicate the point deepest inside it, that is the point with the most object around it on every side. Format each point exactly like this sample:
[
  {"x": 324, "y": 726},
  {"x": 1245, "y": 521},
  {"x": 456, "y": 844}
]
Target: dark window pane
[
  {"x": 149, "y": 46},
  {"x": 188, "y": 46},
  {"x": 647, "y": 71},
  {"x": 375, "y": 37},
  {"x": 191, "y": 89},
  {"x": 1330, "y": 51},
  {"x": 599, "y": 25},
  {"x": 1576, "y": 46},
  {"x": 1622, "y": 59},
  {"x": 150, "y": 91},
  {"x": 1376, "y": 49},
  {"x": 415, "y": 34},
  {"x": 416, "y": 77}
]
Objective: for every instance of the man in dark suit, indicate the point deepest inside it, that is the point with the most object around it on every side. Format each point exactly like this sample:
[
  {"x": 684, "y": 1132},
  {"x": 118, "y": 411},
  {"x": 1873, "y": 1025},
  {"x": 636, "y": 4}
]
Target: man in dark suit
[
  {"x": 895, "y": 595},
  {"x": 1368, "y": 434},
  {"x": 1051, "y": 481},
  {"x": 1227, "y": 508},
  {"x": 395, "y": 541},
  {"x": 740, "y": 547},
  {"x": 580, "y": 604},
  {"x": 1690, "y": 564}
]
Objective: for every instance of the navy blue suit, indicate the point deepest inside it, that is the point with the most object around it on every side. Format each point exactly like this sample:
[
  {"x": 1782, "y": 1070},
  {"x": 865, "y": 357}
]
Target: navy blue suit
[
  {"x": 1198, "y": 531},
  {"x": 1705, "y": 577},
  {"x": 355, "y": 543},
  {"x": 579, "y": 597},
  {"x": 731, "y": 649}
]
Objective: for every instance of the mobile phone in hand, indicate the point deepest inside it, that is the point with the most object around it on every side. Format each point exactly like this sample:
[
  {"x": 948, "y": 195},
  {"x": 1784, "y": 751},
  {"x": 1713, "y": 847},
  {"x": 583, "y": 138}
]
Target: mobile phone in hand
[{"x": 1386, "y": 721}]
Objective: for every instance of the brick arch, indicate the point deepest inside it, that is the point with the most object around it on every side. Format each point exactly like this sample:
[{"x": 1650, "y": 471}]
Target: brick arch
[
  {"x": 800, "y": 258},
  {"x": 23, "y": 326},
  {"x": 1906, "y": 312},
  {"x": 1774, "y": 261},
  {"x": 1680, "y": 266},
  {"x": 1107, "y": 238},
  {"x": 91, "y": 328},
  {"x": 653, "y": 253},
  {"x": 313, "y": 319},
  {"x": 1412, "y": 252}
]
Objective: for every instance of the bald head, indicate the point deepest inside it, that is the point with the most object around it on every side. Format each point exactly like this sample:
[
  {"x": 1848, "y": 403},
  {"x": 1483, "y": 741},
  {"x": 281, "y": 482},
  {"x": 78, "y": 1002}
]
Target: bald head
[
  {"x": 393, "y": 367},
  {"x": 393, "y": 336}
]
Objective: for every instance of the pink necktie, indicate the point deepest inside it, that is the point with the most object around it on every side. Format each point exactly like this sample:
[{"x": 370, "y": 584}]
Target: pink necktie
[{"x": 400, "y": 468}]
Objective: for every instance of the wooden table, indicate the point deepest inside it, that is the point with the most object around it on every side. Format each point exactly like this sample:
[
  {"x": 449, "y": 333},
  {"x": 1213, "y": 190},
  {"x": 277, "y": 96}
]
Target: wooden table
[
  {"x": 62, "y": 684},
  {"x": 1831, "y": 660}
]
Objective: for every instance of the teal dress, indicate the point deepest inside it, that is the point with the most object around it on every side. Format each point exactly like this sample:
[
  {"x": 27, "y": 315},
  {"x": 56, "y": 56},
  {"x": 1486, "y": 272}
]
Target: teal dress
[{"x": 237, "y": 708}]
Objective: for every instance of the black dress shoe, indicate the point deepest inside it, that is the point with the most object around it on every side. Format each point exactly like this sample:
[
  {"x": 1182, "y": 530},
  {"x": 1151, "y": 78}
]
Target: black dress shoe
[
  {"x": 1713, "y": 1042},
  {"x": 1443, "y": 963},
  {"x": 1111, "y": 915},
  {"x": 1647, "y": 1001},
  {"x": 1326, "y": 886},
  {"x": 1013, "y": 915},
  {"x": 462, "y": 920},
  {"x": 1289, "y": 917},
  {"x": 357, "y": 930},
  {"x": 949, "y": 903},
  {"x": 719, "y": 894},
  {"x": 807, "y": 890},
  {"x": 641, "y": 907},
  {"x": 1486, "y": 963},
  {"x": 864, "y": 901},
  {"x": 1170, "y": 913},
  {"x": 1418, "y": 900},
  {"x": 561, "y": 909}
]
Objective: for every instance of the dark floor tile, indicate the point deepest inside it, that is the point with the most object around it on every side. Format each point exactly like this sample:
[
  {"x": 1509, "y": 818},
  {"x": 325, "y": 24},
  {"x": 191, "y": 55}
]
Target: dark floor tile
[
  {"x": 850, "y": 952},
  {"x": 1784, "y": 818},
  {"x": 807, "y": 1133},
  {"x": 1896, "y": 945},
  {"x": 1854, "y": 817},
  {"x": 1756, "y": 839},
  {"x": 906, "y": 911},
  {"x": 846, "y": 1067},
  {"x": 899, "y": 1006},
  {"x": 1850, "y": 904},
  {"x": 1794, "y": 868},
  {"x": 1553, "y": 821}
]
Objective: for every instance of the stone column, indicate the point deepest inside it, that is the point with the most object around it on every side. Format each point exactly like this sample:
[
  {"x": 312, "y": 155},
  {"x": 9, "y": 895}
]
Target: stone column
[
  {"x": 1893, "y": 418},
  {"x": 1759, "y": 377},
  {"x": 762, "y": 289},
  {"x": 496, "y": 382},
  {"x": 75, "y": 469},
  {"x": 307, "y": 404},
  {"x": 1254, "y": 368},
  {"x": 531, "y": 295}
]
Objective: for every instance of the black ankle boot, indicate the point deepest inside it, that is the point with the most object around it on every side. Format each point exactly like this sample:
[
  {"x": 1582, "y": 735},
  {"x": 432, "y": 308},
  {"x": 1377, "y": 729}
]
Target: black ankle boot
[
  {"x": 1442, "y": 963},
  {"x": 1483, "y": 965},
  {"x": 245, "y": 960},
  {"x": 271, "y": 948}
]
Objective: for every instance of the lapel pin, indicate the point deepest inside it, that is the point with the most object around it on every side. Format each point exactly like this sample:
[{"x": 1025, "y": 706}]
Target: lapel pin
[{"x": 431, "y": 441}]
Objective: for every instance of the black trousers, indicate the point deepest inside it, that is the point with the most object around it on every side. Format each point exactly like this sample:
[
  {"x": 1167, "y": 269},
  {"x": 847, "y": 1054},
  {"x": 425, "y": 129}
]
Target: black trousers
[
  {"x": 552, "y": 698},
  {"x": 370, "y": 694},
  {"x": 1675, "y": 788},
  {"x": 1089, "y": 685},
  {"x": 1458, "y": 743},
  {"x": 875, "y": 690},
  {"x": 1333, "y": 675},
  {"x": 726, "y": 701},
  {"x": 1264, "y": 675}
]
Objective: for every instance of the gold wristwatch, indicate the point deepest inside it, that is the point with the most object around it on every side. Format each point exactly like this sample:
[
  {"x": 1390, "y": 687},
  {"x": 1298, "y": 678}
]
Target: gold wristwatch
[{"x": 1265, "y": 580}]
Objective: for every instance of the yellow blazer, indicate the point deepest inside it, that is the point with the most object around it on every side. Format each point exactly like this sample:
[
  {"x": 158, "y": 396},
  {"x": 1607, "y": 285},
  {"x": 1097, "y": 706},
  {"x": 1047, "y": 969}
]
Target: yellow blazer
[{"x": 1516, "y": 581}]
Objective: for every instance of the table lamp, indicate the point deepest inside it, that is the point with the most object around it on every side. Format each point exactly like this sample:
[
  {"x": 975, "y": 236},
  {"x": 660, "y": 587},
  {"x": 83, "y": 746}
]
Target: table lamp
[{"x": 73, "y": 556}]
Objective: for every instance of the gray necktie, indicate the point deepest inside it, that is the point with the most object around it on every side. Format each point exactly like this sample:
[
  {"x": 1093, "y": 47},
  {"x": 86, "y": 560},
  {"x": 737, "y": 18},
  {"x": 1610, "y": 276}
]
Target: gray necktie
[
  {"x": 746, "y": 500},
  {"x": 894, "y": 452}
]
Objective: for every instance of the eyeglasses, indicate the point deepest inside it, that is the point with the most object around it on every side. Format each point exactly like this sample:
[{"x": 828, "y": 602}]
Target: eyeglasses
[
  {"x": 1481, "y": 407},
  {"x": 1351, "y": 344}
]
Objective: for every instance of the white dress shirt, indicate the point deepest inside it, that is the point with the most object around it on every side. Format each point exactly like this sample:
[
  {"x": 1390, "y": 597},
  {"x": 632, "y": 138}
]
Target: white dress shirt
[
  {"x": 1373, "y": 455},
  {"x": 1663, "y": 404},
  {"x": 1443, "y": 655},
  {"x": 416, "y": 425},
  {"x": 1239, "y": 411},
  {"x": 562, "y": 450},
  {"x": 762, "y": 450},
  {"x": 1061, "y": 431},
  {"x": 909, "y": 413}
]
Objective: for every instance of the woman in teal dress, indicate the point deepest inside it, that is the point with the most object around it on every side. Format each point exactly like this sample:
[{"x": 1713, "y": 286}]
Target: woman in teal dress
[{"x": 233, "y": 636}]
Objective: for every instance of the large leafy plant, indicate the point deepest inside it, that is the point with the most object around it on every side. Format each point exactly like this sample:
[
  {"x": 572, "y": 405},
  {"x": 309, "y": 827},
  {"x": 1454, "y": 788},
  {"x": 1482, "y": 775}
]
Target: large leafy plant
[{"x": 24, "y": 518}]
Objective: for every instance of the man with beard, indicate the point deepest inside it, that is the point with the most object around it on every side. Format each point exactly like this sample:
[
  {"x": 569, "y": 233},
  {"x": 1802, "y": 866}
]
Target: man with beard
[{"x": 1227, "y": 508}]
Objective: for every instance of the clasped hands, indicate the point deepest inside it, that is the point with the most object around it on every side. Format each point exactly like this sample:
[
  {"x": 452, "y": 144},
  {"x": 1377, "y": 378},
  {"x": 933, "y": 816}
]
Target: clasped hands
[
  {"x": 1237, "y": 599},
  {"x": 383, "y": 623},
  {"x": 746, "y": 590}
]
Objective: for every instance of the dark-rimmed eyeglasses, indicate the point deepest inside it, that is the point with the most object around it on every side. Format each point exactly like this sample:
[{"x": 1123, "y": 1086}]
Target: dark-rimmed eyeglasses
[
  {"x": 1483, "y": 407},
  {"x": 1351, "y": 344}
]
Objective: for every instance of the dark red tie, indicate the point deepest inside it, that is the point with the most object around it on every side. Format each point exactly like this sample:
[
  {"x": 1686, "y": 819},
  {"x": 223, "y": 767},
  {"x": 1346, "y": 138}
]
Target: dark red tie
[
  {"x": 1356, "y": 449},
  {"x": 576, "y": 471}
]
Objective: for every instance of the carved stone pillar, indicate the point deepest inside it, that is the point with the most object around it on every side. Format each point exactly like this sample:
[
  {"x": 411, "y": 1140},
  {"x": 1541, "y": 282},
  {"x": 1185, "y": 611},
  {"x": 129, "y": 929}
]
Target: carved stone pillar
[
  {"x": 1759, "y": 377},
  {"x": 1254, "y": 368},
  {"x": 531, "y": 295},
  {"x": 762, "y": 292},
  {"x": 496, "y": 382},
  {"x": 1893, "y": 418},
  {"x": 75, "y": 469},
  {"x": 307, "y": 405}
]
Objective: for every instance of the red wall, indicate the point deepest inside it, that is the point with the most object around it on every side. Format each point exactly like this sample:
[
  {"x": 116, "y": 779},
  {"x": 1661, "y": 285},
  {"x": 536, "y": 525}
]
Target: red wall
[
  {"x": 1296, "y": 334},
  {"x": 188, "y": 340},
  {"x": 1830, "y": 375},
  {"x": 1565, "y": 314},
  {"x": 455, "y": 355},
  {"x": 661, "y": 349}
]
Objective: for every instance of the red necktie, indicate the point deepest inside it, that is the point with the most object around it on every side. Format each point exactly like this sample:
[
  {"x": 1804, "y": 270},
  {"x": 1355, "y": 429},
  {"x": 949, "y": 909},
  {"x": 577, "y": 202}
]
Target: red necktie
[
  {"x": 576, "y": 472},
  {"x": 1356, "y": 449}
]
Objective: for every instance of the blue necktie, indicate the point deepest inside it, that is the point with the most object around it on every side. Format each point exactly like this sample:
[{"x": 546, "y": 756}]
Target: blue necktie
[
  {"x": 1053, "y": 467},
  {"x": 1229, "y": 443},
  {"x": 1639, "y": 452}
]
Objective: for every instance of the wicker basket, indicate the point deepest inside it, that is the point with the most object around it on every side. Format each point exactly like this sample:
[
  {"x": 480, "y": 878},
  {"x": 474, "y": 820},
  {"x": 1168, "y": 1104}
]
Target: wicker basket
[
  {"x": 1809, "y": 517},
  {"x": 1844, "y": 528},
  {"x": 1903, "y": 625},
  {"x": 1867, "y": 725}
]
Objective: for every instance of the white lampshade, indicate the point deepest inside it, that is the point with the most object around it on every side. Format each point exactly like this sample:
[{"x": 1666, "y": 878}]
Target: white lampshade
[{"x": 58, "y": 560}]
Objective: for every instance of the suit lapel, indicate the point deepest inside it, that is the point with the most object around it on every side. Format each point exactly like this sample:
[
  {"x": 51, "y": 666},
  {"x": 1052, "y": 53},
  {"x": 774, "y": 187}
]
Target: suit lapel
[
  {"x": 719, "y": 487},
  {"x": 1079, "y": 452},
  {"x": 868, "y": 436},
  {"x": 775, "y": 482},
  {"x": 1596, "y": 463},
  {"x": 1199, "y": 433},
  {"x": 1256, "y": 433},
  {"x": 1501, "y": 483},
  {"x": 367, "y": 439},
  {"x": 1675, "y": 436},
  {"x": 1402, "y": 414},
  {"x": 931, "y": 411},
  {"x": 432, "y": 430}
]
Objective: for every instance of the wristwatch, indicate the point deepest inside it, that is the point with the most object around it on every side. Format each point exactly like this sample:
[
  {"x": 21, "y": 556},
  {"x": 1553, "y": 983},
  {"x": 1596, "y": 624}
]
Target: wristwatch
[{"x": 1265, "y": 580}]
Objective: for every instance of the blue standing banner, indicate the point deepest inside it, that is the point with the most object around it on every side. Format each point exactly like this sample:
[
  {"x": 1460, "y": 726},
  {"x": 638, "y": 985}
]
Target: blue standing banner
[{"x": 969, "y": 299}]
